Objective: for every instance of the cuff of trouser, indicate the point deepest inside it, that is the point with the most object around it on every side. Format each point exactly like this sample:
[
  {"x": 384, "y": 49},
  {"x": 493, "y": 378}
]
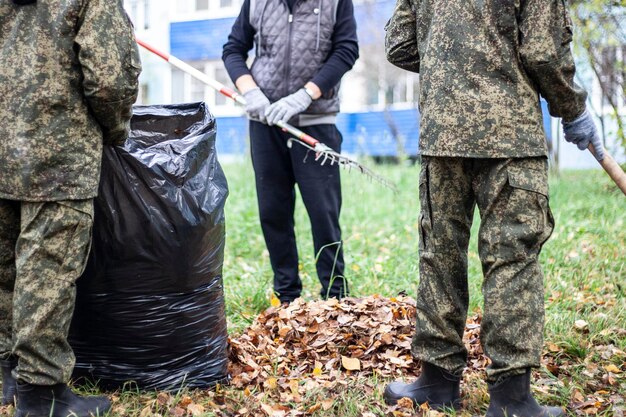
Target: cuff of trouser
[
  {"x": 449, "y": 366},
  {"x": 28, "y": 378},
  {"x": 288, "y": 298},
  {"x": 495, "y": 376},
  {"x": 453, "y": 362}
]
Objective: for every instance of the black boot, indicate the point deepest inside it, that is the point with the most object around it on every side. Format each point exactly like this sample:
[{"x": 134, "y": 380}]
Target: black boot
[
  {"x": 512, "y": 397},
  {"x": 436, "y": 386},
  {"x": 57, "y": 401},
  {"x": 9, "y": 386}
]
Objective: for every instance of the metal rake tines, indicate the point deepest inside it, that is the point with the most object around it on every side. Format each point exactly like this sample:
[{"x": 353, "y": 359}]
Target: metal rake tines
[{"x": 327, "y": 154}]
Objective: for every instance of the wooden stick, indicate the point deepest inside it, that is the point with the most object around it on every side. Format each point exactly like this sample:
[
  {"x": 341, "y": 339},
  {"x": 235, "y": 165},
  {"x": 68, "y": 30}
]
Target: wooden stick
[{"x": 612, "y": 168}]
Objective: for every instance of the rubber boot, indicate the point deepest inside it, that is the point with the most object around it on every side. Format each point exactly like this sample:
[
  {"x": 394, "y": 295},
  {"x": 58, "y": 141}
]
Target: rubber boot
[
  {"x": 512, "y": 397},
  {"x": 436, "y": 386},
  {"x": 9, "y": 385},
  {"x": 57, "y": 401}
]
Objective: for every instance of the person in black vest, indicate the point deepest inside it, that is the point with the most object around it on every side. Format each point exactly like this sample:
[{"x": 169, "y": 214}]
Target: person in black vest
[{"x": 302, "y": 49}]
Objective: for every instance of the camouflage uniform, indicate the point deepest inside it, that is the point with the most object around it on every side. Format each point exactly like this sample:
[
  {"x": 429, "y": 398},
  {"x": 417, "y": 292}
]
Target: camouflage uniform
[
  {"x": 68, "y": 79},
  {"x": 483, "y": 65}
]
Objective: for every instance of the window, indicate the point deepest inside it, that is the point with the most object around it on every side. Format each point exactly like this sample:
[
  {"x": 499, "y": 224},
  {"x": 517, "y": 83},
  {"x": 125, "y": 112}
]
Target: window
[
  {"x": 146, "y": 14},
  {"x": 139, "y": 13},
  {"x": 186, "y": 88},
  {"x": 222, "y": 76},
  {"x": 612, "y": 74},
  {"x": 197, "y": 87},
  {"x": 214, "y": 5},
  {"x": 133, "y": 11},
  {"x": 144, "y": 91},
  {"x": 178, "y": 86}
]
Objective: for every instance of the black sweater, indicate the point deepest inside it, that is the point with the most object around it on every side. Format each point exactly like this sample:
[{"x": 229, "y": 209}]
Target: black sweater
[{"x": 344, "y": 53}]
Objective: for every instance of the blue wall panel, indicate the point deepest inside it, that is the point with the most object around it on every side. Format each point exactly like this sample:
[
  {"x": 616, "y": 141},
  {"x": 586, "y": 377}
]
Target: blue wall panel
[
  {"x": 232, "y": 135},
  {"x": 199, "y": 39},
  {"x": 203, "y": 39},
  {"x": 363, "y": 133}
]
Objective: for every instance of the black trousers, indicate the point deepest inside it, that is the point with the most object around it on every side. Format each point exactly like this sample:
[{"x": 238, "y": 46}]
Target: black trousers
[{"x": 277, "y": 169}]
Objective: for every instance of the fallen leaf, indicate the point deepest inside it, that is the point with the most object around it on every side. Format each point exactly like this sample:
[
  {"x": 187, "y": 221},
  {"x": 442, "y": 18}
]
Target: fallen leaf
[
  {"x": 195, "y": 409},
  {"x": 274, "y": 302},
  {"x": 553, "y": 347},
  {"x": 351, "y": 364},
  {"x": 405, "y": 402},
  {"x": 613, "y": 368},
  {"x": 581, "y": 325}
]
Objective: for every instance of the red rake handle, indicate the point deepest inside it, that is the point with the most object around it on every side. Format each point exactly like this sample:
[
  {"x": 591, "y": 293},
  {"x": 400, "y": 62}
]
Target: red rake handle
[
  {"x": 230, "y": 93},
  {"x": 194, "y": 72}
]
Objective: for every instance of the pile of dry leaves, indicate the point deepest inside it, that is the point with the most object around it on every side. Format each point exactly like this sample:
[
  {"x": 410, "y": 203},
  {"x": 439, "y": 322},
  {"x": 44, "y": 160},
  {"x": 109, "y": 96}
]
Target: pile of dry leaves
[
  {"x": 326, "y": 338},
  {"x": 324, "y": 345},
  {"x": 289, "y": 352},
  {"x": 313, "y": 358}
]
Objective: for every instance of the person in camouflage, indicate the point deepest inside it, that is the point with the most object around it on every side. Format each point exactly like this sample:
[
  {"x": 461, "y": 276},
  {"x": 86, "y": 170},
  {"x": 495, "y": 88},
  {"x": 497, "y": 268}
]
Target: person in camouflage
[
  {"x": 483, "y": 66},
  {"x": 68, "y": 79}
]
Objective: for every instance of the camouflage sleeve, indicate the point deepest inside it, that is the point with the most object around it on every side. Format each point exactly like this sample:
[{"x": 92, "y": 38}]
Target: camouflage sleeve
[
  {"x": 109, "y": 58},
  {"x": 545, "y": 37},
  {"x": 401, "y": 39}
]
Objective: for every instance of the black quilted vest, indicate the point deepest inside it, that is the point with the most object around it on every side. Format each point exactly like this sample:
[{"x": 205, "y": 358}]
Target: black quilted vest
[{"x": 291, "y": 48}]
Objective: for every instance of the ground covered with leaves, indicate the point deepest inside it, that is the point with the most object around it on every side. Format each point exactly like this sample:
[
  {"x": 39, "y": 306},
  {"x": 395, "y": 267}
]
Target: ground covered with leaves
[
  {"x": 301, "y": 359},
  {"x": 328, "y": 358},
  {"x": 297, "y": 360}
]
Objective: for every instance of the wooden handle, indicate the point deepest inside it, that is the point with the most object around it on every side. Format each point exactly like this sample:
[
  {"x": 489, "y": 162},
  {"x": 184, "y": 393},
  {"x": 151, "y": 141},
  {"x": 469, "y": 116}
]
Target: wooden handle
[{"x": 612, "y": 168}]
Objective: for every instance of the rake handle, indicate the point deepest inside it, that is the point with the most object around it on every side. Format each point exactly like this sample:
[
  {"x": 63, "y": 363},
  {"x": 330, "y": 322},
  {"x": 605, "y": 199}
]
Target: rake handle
[
  {"x": 612, "y": 168},
  {"x": 222, "y": 89}
]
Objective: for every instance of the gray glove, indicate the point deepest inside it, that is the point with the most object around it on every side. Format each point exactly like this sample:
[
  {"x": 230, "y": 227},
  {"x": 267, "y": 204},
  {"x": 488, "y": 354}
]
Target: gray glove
[
  {"x": 582, "y": 131},
  {"x": 256, "y": 102},
  {"x": 287, "y": 107}
]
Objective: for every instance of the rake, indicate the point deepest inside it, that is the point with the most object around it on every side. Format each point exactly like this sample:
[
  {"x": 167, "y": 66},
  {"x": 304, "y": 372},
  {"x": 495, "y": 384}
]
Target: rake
[
  {"x": 612, "y": 168},
  {"x": 323, "y": 153}
]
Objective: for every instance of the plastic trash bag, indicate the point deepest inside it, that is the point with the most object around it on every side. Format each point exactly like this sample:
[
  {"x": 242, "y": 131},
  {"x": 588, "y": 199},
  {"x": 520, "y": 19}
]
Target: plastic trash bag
[{"x": 150, "y": 304}]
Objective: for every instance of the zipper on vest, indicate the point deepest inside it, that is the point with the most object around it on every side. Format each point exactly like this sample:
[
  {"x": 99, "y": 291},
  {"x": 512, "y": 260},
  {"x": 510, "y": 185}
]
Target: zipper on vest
[{"x": 288, "y": 63}]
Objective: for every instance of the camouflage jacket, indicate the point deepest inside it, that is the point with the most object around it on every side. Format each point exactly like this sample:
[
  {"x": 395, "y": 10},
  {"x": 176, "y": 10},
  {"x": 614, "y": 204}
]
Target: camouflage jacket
[
  {"x": 68, "y": 79},
  {"x": 483, "y": 65}
]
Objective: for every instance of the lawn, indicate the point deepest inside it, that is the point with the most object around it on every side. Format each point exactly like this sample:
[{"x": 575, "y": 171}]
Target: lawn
[
  {"x": 584, "y": 264},
  {"x": 584, "y": 367}
]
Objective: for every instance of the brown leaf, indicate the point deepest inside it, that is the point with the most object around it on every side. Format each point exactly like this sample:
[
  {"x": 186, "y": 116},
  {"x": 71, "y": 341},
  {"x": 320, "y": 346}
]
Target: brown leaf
[
  {"x": 195, "y": 409},
  {"x": 177, "y": 412},
  {"x": 612, "y": 368},
  {"x": 351, "y": 364},
  {"x": 405, "y": 403},
  {"x": 581, "y": 325}
]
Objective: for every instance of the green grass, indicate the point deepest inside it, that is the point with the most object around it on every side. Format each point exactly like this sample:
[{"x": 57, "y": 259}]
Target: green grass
[
  {"x": 584, "y": 261},
  {"x": 585, "y": 255},
  {"x": 584, "y": 264}
]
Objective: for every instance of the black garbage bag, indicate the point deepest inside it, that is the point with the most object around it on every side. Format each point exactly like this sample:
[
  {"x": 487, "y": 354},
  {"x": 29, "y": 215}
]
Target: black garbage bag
[{"x": 150, "y": 304}]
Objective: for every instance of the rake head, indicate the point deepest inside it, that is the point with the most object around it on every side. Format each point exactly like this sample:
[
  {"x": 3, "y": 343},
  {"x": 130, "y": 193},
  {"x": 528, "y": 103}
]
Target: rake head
[{"x": 324, "y": 154}]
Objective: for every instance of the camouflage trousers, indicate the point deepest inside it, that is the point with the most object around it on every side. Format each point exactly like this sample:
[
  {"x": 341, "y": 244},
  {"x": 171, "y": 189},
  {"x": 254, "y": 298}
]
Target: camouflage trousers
[
  {"x": 512, "y": 199},
  {"x": 43, "y": 250}
]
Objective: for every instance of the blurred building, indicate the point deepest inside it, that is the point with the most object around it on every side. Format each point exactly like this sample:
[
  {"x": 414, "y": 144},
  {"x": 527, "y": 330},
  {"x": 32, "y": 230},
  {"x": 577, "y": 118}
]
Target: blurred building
[{"x": 379, "y": 116}]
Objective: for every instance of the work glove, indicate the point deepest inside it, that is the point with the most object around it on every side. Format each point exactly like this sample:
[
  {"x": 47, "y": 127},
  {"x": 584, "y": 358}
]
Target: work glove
[
  {"x": 582, "y": 131},
  {"x": 287, "y": 107},
  {"x": 256, "y": 103}
]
